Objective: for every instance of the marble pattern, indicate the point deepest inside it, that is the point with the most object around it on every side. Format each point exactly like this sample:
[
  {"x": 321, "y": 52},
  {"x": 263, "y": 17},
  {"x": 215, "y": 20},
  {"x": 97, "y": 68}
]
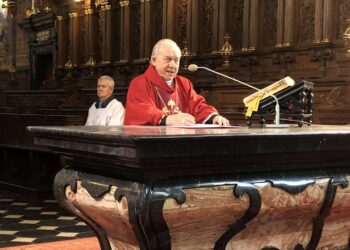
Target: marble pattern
[{"x": 284, "y": 219}]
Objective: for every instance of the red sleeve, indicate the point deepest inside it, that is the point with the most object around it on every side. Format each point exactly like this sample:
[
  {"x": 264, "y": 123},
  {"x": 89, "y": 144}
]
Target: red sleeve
[
  {"x": 198, "y": 106},
  {"x": 140, "y": 104}
]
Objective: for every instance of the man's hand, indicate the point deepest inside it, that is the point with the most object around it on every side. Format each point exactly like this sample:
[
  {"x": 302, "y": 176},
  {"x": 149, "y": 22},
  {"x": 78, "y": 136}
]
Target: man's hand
[
  {"x": 180, "y": 119},
  {"x": 221, "y": 121}
]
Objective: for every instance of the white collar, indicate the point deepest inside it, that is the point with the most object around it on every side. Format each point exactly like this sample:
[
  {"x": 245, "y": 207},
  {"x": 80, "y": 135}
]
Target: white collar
[{"x": 170, "y": 83}]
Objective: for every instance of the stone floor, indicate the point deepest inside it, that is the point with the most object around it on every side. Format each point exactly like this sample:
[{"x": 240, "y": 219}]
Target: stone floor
[{"x": 26, "y": 219}]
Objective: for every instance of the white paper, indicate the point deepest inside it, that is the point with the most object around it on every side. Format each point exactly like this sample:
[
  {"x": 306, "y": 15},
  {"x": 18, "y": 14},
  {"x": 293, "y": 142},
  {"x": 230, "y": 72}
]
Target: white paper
[{"x": 204, "y": 126}]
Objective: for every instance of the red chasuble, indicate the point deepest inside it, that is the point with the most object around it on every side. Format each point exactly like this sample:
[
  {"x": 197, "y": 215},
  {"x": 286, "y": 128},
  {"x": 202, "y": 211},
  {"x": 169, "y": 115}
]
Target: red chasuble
[{"x": 150, "y": 98}]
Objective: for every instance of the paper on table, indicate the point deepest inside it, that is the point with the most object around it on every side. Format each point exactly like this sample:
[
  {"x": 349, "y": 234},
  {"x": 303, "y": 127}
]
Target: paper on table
[{"x": 204, "y": 126}]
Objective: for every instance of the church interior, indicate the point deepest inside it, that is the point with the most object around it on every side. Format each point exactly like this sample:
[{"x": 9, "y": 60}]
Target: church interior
[{"x": 53, "y": 51}]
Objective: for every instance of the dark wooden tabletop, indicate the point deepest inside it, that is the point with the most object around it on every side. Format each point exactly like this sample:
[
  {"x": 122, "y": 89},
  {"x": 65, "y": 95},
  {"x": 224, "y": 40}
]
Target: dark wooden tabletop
[{"x": 162, "y": 152}]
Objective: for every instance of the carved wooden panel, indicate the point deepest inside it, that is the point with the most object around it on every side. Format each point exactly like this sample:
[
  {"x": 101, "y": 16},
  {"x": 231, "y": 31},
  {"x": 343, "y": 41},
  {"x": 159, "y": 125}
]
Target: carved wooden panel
[
  {"x": 100, "y": 19},
  {"x": 83, "y": 38},
  {"x": 269, "y": 22},
  {"x": 206, "y": 31},
  {"x": 305, "y": 59},
  {"x": 234, "y": 22},
  {"x": 306, "y": 22},
  {"x": 115, "y": 36},
  {"x": 66, "y": 37},
  {"x": 157, "y": 29},
  {"x": 96, "y": 49},
  {"x": 135, "y": 14}
]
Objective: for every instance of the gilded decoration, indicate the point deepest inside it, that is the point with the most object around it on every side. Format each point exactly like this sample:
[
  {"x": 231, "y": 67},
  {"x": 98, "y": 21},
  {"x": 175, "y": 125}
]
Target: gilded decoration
[
  {"x": 89, "y": 11},
  {"x": 97, "y": 3},
  {"x": 171, "y": 108},
  {"x": 73, "y": 14},
  {"x": 346, "y": 37},
  {"x": 344, "y": 14},
  {"x": 226, "y": 51},
  {"x": 185, "y": 54},
  {"x": 68, "y": 66}
]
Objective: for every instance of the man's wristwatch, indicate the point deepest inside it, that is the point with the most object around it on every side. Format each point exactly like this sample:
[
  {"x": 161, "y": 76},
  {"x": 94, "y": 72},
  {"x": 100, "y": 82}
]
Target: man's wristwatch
[
  {"x": 211, "y": 119},
  {"x": 163, "y": 121}
]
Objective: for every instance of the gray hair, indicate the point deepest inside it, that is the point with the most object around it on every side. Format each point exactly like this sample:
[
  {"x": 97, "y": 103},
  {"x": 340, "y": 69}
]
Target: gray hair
[
  {"x": 109, "y": 80},
  {"x": 160, "y": 43}
]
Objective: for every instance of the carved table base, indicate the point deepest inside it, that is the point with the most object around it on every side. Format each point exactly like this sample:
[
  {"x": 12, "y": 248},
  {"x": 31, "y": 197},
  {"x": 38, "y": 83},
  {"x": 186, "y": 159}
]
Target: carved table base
[{"x": 310, "y": 210}]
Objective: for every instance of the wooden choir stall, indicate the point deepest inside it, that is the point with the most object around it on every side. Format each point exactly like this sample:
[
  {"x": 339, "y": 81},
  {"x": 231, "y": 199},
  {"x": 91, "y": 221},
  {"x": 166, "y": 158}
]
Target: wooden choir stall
[{"x": 142, "y": 187}]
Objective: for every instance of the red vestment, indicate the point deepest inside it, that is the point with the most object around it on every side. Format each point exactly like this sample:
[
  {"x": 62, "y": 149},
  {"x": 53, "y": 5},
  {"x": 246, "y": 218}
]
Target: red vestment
[{"x": 149, "y": 98}]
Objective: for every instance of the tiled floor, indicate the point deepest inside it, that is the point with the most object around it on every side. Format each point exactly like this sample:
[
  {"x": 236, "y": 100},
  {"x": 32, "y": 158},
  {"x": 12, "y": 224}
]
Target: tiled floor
[
  {"x": 27, "y": 219},
  {"x": 87, "y": 243}
]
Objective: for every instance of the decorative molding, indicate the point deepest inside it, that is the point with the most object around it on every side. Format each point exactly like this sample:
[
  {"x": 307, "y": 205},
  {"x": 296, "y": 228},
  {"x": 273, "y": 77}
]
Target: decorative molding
[
  {"x": 252, "y": 211},
  {"x": 337, "y": 97},
  {"x": 321, "y": 56}
]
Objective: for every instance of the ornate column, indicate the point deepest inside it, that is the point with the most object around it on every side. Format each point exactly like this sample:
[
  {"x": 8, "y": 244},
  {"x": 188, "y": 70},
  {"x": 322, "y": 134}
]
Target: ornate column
[
  {"x": 142, "y": 30},
  {"x": 219, "y": 23},
  {"x": 12, "y": 11},
  {"x": 318, "y": 20},
  {"x": 73, "y": 53},
  {"x": 61, "y": 55},
  {"x": 148, "y": 45},
  {"x": 124, "y": 30},
  {"x": 289, "y": 23},
  {"x": 122, "y": 27},
  {"x": 168, "y": 18},
  {"x": 146, "y": 25},
  {"x": 285, "y": 23},
  {"x": 328, "y": 21},
  {"x": 89, "y": 37},
  {"x": 106, "y": 21},
  {"x": 324, "y": 21},
  {"x": 250, "y": 25},
  {"x": 280, "y": 23},
  {"x": 246, "y": 25},
  {"x": 192, "y": 25},
  {"x": 253, "y": 29}
]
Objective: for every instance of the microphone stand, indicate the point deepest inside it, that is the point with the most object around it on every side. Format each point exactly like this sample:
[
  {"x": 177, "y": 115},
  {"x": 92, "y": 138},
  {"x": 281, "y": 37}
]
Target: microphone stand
[{"x": 277, "y": 106}]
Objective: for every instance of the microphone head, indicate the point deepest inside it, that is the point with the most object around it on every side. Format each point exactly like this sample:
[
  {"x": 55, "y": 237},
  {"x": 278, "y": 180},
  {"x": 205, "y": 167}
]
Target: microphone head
[{"x": 192, "y": 67}]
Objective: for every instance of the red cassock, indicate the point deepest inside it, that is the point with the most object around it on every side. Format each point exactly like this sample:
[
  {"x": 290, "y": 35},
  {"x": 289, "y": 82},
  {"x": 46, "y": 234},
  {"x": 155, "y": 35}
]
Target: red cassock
[{"x": 150, "y": 98}]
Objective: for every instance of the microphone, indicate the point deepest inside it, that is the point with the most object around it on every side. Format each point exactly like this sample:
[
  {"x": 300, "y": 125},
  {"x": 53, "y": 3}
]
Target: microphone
[{"x": 194, "y": 67}]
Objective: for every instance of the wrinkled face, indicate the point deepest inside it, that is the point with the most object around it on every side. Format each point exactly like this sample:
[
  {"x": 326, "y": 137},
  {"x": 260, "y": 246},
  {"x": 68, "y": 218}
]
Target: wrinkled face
[
  {"x": 167, "y": 61},
  {"x": 103, "y": 90}
]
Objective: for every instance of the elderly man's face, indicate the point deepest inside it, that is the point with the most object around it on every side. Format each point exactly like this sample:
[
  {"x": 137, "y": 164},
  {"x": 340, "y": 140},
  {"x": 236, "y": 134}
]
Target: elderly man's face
[
  {"x": 103, "y": 90},
  {"x": 167, "y": 61}
]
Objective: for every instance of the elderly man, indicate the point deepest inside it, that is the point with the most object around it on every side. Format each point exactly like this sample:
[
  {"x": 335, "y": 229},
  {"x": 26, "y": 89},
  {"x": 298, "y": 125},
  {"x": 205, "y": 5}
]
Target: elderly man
[
  {"x": 161, "y": 97},
  {"x": 106, "y": 110}
]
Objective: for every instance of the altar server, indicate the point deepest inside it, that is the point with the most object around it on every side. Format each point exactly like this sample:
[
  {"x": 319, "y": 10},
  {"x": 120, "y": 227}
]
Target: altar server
[{"x": 106, "y": 110}]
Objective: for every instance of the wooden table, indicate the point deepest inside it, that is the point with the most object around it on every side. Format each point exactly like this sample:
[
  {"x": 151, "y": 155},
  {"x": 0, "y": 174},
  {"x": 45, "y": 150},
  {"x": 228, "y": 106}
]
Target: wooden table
[{"x": 206, "y": 188}]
